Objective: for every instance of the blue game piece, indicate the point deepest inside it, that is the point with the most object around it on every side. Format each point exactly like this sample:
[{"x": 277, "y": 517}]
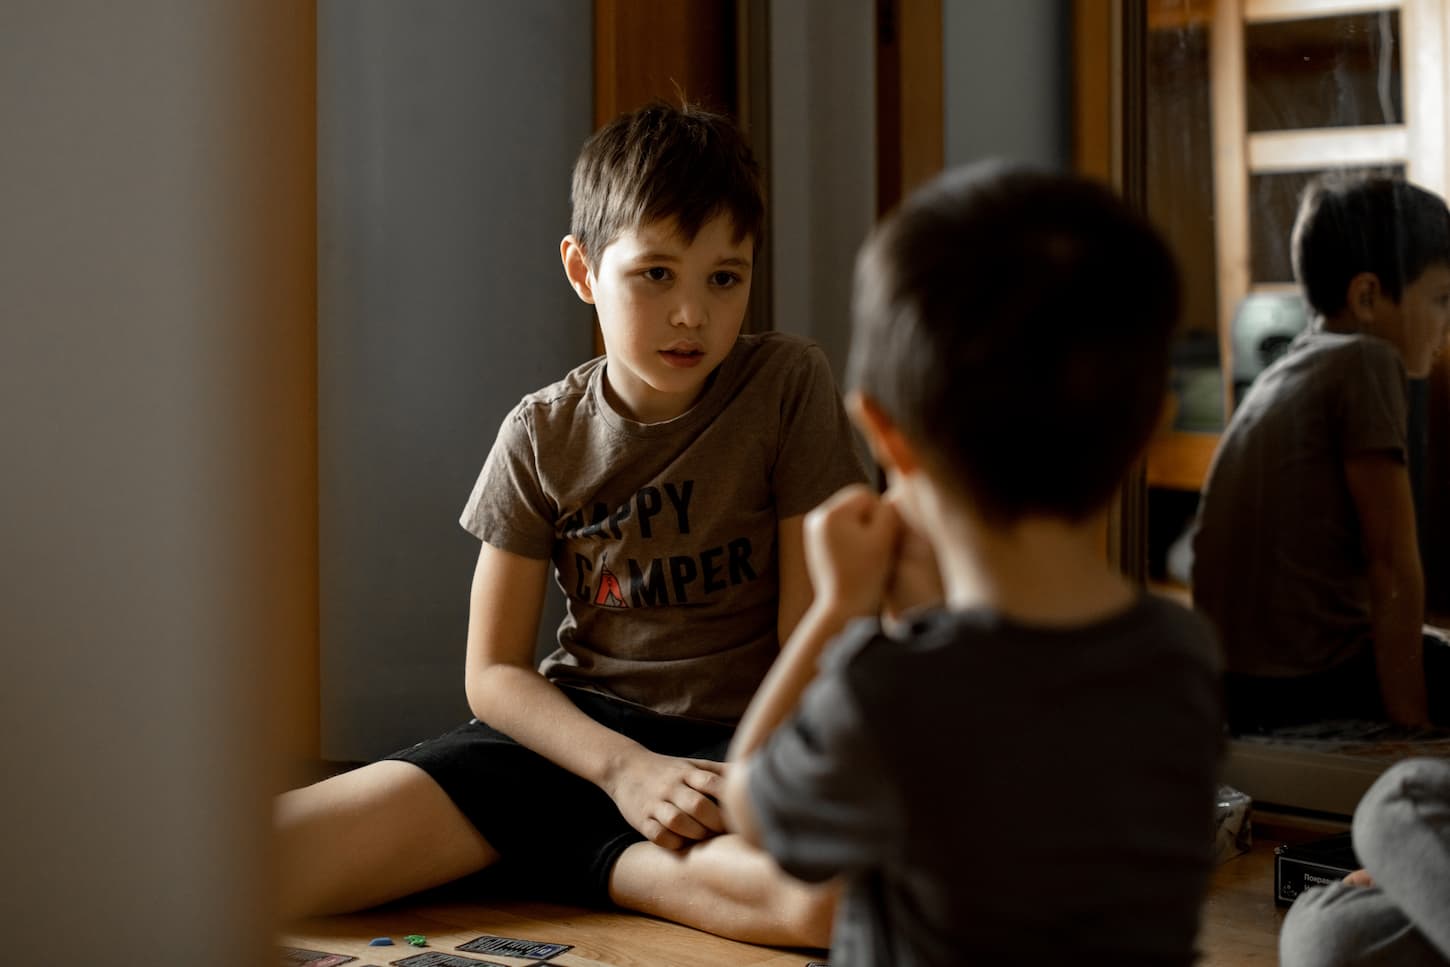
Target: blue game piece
[{"x": 381, "y": 942}]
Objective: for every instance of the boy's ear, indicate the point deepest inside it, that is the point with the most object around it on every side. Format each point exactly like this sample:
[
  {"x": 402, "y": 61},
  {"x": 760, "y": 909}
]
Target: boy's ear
[
  {"x": 576, "y": 267},
  {"x": 1362, "y": 298},
  {"x": 893, "y": 451}
]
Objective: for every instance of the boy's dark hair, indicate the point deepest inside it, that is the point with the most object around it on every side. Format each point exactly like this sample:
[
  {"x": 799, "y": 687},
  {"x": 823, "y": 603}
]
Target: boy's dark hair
[
  {"x": 1016, "y": 327},
  {"x": 1348, "y": 224},
  {"x": 663, "y": 162}
]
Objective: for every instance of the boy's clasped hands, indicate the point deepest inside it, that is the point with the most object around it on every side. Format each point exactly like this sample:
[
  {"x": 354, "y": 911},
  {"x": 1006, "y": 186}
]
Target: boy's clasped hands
[
  {"x": 865, "y": 560},
  {"x": 672, "y": 801}
]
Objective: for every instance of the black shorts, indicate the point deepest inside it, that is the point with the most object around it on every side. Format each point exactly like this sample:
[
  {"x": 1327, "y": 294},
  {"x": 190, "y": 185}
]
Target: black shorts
[{"x": 558, "y": 836}]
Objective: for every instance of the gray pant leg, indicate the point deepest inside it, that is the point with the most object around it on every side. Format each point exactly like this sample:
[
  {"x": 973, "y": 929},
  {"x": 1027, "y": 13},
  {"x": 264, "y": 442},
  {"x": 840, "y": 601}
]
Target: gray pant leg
[
  {"x": 1351, "y": 926},
  {"x": 1402, "y": 836}
]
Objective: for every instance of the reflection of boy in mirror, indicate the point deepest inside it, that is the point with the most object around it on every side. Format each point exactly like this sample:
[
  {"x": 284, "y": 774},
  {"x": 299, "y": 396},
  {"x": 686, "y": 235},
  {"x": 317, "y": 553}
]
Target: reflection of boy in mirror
[
  {"x": 664, "y": 484},
  {"x": 1305, "y": 555},
  {"x": 1023, "y": 775}
]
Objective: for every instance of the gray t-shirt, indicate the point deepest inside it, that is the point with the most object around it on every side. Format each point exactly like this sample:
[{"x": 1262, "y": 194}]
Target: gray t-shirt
[
  {"x": 663, "y": 535},
  {"x": 1003, "y": 794},
  {"x": 1279, "y": 563}
]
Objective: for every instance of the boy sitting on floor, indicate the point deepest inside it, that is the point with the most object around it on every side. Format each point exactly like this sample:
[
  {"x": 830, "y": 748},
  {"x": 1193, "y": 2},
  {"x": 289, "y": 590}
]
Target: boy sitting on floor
[{"x": 664, "y": 486}]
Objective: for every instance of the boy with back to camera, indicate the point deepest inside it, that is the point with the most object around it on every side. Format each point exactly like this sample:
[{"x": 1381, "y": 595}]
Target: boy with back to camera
[
  {"x": 665, "y": 483},
  {"x": 1305, "y": 555},
  {"x": 1024, "y": 774}
]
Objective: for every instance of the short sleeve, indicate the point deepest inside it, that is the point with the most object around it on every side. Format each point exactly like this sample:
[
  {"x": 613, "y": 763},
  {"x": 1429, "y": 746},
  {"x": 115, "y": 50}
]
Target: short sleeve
[
  {"x": 818, "y": 786},
  {"x": 508, "y": 507},
  {"x": 817, "y": 454},
  {"x": 1374, "y": 414}
]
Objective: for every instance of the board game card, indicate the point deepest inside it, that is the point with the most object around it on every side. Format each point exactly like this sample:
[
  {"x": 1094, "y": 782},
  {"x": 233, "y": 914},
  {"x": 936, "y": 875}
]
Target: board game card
[
  {"x": 509, "y": 947},
  {"x": 435, "y": 958},
  {"x": 302, "y": 957}
]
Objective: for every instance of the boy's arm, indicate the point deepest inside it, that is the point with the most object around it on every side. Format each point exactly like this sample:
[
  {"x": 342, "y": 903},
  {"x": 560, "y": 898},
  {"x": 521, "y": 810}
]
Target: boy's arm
[
  {"x": 778, "y": 697},
  {"x": 665, "y": 798},
  {"x": 1380, "y": 485},
  {"x": 851, "y": 537}
]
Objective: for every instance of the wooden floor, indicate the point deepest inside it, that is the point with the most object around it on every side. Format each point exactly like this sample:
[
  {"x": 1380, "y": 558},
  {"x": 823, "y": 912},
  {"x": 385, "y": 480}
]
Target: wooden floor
[{"x": 1240, "y": 929}]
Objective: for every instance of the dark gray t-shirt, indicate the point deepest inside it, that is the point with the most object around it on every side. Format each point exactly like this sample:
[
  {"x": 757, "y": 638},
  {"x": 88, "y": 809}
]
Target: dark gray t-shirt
[
  {"x": 663, "y": 535},
  {"x": 1278, "y": 560},
  {"x": 1002, "y": 794}
]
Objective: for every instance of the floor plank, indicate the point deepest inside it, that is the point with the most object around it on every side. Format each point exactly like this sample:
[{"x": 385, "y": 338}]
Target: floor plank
[
  {"x": 1240, "y": 929},
  {"x": 598, "y": 938},
  {"x": 1240, "y": 921}
]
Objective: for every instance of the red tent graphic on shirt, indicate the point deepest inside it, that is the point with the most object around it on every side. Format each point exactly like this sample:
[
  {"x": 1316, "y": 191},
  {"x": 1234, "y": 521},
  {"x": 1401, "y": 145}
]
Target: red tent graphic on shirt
[{"x": 609, "y": 593}]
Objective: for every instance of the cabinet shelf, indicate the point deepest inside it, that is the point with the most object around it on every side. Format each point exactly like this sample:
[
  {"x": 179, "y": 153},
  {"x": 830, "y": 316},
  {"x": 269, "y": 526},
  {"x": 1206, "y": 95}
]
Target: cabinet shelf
[{"x": 1179, "y": 460}]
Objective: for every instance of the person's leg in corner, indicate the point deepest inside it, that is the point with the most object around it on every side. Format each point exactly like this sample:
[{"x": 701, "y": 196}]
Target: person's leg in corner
[
  {"x": 1402, "y": 836},
  {"x": 367, "y": 836},
  {"x": 725, "y": 887},
  {"x": 1351, "y": 926}
]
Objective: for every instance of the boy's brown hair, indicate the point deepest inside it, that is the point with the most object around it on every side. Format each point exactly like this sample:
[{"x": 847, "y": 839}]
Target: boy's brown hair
[
  {"x": 1348, "y": 224},
  {"x": 660, "y": 163},
  {"x": 1016, "y": 326}
]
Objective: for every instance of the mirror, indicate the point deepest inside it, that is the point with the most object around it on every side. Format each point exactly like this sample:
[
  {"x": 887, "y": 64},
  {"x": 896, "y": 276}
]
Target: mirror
[{"x": 1246, "y": 102}]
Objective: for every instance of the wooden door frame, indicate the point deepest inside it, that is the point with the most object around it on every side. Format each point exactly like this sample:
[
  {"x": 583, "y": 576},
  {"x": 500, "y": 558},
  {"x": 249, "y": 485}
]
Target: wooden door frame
[
  {"x": 1109, "y": 111},
  {"x": 910, "y": 98}
]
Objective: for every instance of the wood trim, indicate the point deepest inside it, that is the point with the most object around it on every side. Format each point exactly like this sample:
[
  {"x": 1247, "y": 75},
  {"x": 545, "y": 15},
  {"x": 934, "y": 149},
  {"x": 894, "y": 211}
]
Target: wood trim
[
  {"x": 1314, "y": 148},
  {"x": 1128, "y": 524},
  {"x": 752, "y": 97},
  {"x": 1231, "y": 176},
  {"x": 888, "y": 106},
  {"x": 1096, "y": 117},
  {"x": 646, "y": 49},
  {"x": 1258, "y": 11},
  {"x": 1180, "y": 461},
  {"x": 910, "y": 102},
  {"x": 1423, "y": 32},
  {"x": 1177, "y": 14},
  {"x": 1109, "y": 51},
  {"x": 923, "y": 100},
  {"x": 1093, "y": 101},
  {"x": 606, "y": 93},
  {"x": 1444, "y": 97}
]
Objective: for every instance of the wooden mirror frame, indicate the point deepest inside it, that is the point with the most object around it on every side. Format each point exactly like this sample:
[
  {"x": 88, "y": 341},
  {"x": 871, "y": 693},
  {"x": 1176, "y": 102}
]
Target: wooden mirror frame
[{"x": 1109, "y": 140}]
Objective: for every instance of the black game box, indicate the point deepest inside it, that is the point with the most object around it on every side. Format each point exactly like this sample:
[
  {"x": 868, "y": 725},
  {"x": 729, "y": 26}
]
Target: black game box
[{"x": 1298, "y": 867}]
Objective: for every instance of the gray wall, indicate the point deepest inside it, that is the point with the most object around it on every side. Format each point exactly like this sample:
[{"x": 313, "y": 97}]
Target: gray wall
[
  {"x": 822, "y": 163},
  {"x": 1005, "y": 73},
  {"x": 1006, "y": 68},
  {"x": 447, "y": 130},
  {"x": 156, "y": 312}
]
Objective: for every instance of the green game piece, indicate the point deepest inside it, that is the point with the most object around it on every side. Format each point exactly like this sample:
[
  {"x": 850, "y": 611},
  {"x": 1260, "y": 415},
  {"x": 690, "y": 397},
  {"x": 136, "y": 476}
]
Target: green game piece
[{"x": 416, "y": 939}]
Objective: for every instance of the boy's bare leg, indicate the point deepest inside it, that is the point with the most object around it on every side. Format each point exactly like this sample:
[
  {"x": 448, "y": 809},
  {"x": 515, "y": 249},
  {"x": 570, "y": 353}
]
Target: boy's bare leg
[
  {"x": 368, "y": 836},
  {"x": 727, "y": 887}
]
